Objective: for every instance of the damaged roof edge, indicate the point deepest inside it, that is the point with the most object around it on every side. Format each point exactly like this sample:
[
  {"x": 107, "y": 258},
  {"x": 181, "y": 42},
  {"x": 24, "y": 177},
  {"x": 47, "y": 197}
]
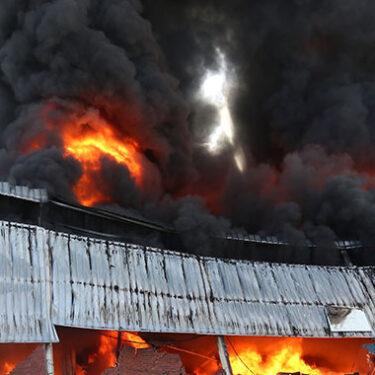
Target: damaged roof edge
[{"x": 49, "y": 278}]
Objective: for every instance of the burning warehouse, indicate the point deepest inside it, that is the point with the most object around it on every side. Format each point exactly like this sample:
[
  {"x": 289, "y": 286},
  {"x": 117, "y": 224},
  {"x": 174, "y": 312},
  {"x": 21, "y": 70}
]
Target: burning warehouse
[
  {"x": 188, "y": 187},
  {"x": 116, "y": 306}
]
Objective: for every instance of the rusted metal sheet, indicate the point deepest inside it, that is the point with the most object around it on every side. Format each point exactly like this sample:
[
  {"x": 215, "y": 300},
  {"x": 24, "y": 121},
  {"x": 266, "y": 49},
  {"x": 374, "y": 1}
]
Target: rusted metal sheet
[
  {"x": 25, "y": 291},
  {"x": 97, "y": 284}
]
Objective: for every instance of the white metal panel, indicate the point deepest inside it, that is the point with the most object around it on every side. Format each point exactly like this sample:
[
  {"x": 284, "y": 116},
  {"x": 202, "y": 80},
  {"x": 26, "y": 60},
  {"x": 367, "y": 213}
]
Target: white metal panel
[
  {"x": 105, "y": 285},
  {"x": 160, "y": 291},
  {"x": 269, "y": 289},
  {"x": 23, "y": 192},
  {"x": 25, "y": 295},
  {"x": 347, "y": 320}
]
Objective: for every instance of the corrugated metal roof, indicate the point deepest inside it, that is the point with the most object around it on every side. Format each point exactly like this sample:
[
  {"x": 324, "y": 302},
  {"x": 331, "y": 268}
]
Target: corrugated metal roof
[
  {"x": 106, "y": 285},
  {"x": 23, "y": 192},
  {"x": 25, "y": 288}
]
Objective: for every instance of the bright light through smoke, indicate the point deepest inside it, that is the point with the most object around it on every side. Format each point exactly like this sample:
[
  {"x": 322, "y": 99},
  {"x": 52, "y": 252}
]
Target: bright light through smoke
[{"x": 215, "y": 90}]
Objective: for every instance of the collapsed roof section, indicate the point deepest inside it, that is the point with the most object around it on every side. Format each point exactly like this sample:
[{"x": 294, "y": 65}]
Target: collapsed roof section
[{"x": 49, "y": 278}]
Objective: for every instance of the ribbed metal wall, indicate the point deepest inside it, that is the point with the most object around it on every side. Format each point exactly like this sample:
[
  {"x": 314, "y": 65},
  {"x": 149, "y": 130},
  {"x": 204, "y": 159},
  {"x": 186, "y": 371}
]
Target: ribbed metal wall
[
  {"x": 25, "y": 285},
  {"x": 23, "y": 192},
  {"x": 105, "y": 285}
]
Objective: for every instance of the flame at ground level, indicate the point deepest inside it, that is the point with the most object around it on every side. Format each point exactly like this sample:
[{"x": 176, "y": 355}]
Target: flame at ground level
[
  {"x": 92, "y": 352},
  {"x": 288, "y": 357},
  {"x": 269, "y": 356},
  {"x": 105, "y": 355}
]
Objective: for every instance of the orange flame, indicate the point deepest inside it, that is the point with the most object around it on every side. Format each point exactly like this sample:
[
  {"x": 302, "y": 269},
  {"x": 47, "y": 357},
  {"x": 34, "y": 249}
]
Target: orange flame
[
  {"x": 287, "y": 358},
  {"x": 80, "y": 370},
  {"x": 106, "y": 352},
  {"x": 88, "y": 140},
  {"x": 133, "y": 340},
  {"x": 8, "y": 368},
  {"x": 270, "y": 356}
]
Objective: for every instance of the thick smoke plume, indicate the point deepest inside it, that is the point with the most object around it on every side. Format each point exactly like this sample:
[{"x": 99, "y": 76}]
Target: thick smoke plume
[{"x": 303, "y": 108}]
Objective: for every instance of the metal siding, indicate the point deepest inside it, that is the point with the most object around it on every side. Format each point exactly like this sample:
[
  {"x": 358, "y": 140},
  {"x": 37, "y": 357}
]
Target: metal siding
[
  {"x": 105, "y": 285},
  {"x": 25, "y": 285},
  {"x": 367, "y": 275},
  {"x": 23, "y": 192},
  {"x": 269, "y": 289},
  {"x": 147, "y": 289},
  {"x": 249, "y": 282}
]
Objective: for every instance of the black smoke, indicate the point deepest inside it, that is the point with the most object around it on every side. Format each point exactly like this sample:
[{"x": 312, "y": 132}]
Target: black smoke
[
  {"x": 303, "y": 108},
  {"x": 80, "y": 55}
]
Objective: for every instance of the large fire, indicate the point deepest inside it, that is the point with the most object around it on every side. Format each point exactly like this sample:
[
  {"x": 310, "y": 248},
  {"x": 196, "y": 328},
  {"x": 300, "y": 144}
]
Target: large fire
[
  {"x": 270, "y": 356},
  {"x": 92, "y": 352},
  {"x": 106, "y": 353},
  {"x": 88, "y": 142},
  {"x": 89, "y": 138},
  {"x": 287, "y": 358}
]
